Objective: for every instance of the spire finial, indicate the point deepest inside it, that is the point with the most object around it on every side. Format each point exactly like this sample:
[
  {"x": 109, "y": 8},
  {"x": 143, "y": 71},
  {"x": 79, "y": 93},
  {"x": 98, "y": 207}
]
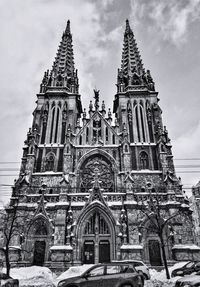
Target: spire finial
[
  {"x": 128, "y": 28},
  {"x": 67, "y": 30}
]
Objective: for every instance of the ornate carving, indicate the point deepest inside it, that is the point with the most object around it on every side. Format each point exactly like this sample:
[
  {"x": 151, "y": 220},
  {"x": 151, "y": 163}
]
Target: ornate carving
[{"x": 93, "y": 167}]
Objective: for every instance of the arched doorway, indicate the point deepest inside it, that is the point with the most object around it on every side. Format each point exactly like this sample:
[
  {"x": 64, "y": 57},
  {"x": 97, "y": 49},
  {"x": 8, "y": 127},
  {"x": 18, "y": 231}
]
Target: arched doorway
[
  {"x": 154, "y": 253},
  {"x": 96, "y": 239},
  {"x": 40, "y": 235},
  {"x": 38, "y": 240}
]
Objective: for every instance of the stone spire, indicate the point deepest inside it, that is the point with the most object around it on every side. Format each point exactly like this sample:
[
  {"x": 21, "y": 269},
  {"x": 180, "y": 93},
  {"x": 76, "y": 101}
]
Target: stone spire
[
  {"x": 63, "y": 73},
  {"x": 132, "y": 72},
  {"x": 131, "y": 60}
]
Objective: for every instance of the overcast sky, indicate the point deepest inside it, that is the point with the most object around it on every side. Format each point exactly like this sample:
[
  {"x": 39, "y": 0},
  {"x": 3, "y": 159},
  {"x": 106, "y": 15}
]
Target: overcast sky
[{"x": 168, "y": 37}]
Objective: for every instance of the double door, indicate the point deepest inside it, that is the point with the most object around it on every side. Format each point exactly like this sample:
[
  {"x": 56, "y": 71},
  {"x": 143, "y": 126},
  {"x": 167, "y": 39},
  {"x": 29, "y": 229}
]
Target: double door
[{"x": 96, "y": 251}]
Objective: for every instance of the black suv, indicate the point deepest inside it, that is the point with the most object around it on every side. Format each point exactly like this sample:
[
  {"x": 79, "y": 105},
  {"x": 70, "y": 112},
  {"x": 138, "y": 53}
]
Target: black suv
[
  {"x": 186, "y": 269},
  {"x": 104, "y": 275}
]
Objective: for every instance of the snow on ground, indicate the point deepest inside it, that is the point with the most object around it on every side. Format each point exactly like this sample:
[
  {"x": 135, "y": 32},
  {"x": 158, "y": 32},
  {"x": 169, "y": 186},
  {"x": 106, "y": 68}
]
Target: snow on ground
[
  {"x": 158, "y": 279},
  {"x": 34, "y": 276}
]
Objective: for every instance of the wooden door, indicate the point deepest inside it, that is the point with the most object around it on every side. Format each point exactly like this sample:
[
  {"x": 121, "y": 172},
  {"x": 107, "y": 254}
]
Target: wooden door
[
  {"x": 88, "y": 252},
  {"x": 104, "y": 251}
]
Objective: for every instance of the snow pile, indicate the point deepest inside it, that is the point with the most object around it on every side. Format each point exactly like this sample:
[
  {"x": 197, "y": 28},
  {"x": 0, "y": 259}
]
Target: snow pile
[
  {"x": 73, "y": 272},
  {"x": 34, "y": 276},
  {"x": 158, "y": 279}
]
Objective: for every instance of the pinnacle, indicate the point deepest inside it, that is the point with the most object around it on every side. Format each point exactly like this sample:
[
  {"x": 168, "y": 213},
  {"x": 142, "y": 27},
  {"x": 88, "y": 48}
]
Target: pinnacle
[
  {"x": 128, "y": 28},
  {"x": 67, "y": 30}
]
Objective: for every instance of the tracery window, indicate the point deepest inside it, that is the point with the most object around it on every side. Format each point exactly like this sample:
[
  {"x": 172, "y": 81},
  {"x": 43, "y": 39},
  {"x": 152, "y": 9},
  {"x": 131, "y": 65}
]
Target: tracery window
[
  {"x": 144, "y": 160},
  {"x": 96, "y": 225},
  {"x": 49, "y": 162},
  {"x": 97, "y": 167}
]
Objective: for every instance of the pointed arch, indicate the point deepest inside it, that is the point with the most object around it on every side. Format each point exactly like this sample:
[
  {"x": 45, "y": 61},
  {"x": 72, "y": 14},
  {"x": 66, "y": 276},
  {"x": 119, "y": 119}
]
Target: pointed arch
[
  {"x": 49, "y": 162},
  {"x": 107, "y": 223},
  {"x": 144, "y": 160}
]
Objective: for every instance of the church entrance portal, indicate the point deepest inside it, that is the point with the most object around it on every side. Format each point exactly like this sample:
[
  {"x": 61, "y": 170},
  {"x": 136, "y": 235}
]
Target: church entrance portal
[
  {"x": 39, "y": 253},
  {"x": 154, "y": 253},
  {"x": 97, "y": 238}
]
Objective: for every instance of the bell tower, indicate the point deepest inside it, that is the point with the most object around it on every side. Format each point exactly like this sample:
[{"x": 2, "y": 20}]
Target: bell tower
[
  {"x": 137, "y": 110},
  {"x": 58, "y": 110}
]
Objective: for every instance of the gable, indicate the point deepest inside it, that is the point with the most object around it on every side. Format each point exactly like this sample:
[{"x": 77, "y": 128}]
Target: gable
[{"x": 97, "y": 131}]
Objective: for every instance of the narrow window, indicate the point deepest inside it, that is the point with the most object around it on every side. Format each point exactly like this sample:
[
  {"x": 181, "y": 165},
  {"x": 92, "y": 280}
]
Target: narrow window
[
  {"x": 52, "y": 123},
  {"x": 113, "y": 139},
  {"x": 80, "y": 140},
  {"x": 87, "y": 135},
  {"x": 63, "y": 132},
  {"x": 57, "y": 122},
  {"x": 142, "y": 123},
  {"x": 106, "y": 134},
  {"x": 137, "y": 123}
]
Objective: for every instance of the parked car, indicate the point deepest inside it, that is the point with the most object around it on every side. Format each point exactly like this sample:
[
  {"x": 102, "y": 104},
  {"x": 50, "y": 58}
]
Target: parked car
[
  {"x": 7, "y": 281},
  {"x": 186, "y": 269},
  {"x": 189, "y": 281},
  {"x": 140, "y": 266},
  {"x": 104, "y": 275}
]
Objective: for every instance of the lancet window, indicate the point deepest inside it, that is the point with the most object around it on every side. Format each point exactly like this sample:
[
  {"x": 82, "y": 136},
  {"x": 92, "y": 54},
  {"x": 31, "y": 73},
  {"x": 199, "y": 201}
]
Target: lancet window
[
  {"x": 144, "y": 160},
  {"x": 140, "y": 123}
]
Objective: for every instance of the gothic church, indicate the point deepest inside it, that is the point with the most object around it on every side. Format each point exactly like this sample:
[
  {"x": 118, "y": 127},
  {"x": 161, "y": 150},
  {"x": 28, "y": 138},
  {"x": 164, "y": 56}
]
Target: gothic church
[{"x": 84, "y": 173}]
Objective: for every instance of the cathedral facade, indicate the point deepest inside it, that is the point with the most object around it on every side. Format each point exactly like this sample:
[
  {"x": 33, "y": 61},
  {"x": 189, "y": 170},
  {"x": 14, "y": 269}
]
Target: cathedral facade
[{"x": 85, "y": 175}]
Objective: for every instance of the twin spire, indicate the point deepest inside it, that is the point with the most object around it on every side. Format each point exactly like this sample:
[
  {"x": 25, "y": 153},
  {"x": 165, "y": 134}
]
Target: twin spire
[
  {"x": 64, "y": 76},
  {"x": 132, "y": 72}
]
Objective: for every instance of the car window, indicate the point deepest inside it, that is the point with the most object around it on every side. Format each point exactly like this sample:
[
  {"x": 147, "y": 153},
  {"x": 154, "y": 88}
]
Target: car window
[
  {"x": 137, "y": 264},
  {"x": 189, "y": 265},
  {"x": 116, "y": 269},
  {"x": 96, "y": 271}
]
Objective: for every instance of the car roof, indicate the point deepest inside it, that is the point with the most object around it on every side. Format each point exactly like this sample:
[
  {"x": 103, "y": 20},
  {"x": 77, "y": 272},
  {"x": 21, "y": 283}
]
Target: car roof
[
  {"x": 112, "y": 263},
  {"x": 128, "y": 261}
]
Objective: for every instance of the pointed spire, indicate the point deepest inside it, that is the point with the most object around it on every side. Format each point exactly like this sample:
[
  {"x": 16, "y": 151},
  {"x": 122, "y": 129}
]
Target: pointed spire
[
  {"x": 132, "y": 72},
  {"x": 128, "y": 30},
  {"x": 131, "y": 60},
  {"x": 63, "y": 73},
  {"x": 68, "y": 30}
]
